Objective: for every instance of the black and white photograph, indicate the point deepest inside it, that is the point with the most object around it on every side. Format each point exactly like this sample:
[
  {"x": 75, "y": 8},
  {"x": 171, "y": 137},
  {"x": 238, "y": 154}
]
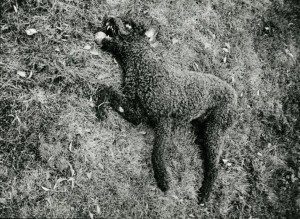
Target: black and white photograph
[{"x": 150, "y": 109}]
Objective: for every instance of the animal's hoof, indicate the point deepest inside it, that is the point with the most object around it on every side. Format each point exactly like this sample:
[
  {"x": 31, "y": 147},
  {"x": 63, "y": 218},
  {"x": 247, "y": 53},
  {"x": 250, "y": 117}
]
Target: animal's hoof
[
  {"x": 201, "y": 200},
  {"x": 202, "y": 197},
  {"x": 101, "y": 113},
  {"x": 101, "y": 101},
  {"x": 163, "y": 186}
]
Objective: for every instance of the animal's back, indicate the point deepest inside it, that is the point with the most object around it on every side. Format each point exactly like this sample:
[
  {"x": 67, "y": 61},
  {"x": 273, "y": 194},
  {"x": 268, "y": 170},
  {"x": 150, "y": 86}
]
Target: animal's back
[{"x": 168, "y": 91}]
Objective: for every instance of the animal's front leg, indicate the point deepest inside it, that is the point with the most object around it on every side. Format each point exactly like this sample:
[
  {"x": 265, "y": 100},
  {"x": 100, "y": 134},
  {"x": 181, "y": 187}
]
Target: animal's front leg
[
  {"x": 161, "y": 143},
  {"x": 107, "y": 95},
  {"x": 103, "y": 98}
]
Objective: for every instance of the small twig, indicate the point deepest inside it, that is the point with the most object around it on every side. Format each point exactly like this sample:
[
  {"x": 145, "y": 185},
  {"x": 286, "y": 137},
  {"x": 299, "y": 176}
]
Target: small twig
[{"x": 102, "y": 104}]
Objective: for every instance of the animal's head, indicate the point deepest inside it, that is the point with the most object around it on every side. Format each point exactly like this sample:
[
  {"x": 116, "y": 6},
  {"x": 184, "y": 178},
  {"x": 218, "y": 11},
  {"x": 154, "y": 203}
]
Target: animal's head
[{"x": 118, "y": 33}]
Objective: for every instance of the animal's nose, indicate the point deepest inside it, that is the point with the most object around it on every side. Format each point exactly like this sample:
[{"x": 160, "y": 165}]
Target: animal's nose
[{"x": 99, "y": 37}]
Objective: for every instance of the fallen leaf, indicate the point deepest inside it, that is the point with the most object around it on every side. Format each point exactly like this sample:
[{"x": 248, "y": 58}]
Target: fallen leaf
[
  {"x": 128, "y": 26},
  {"x": 154, "y": 45},
  {"x": 2, "y": 200},
  {"x": 196, "y": 66},
  {"x": 175, "y": 196},
  {"x": 293, "y": 178},
  {"x": 48, "y": 199},
  {"x": 289, "y": 53},
  {"x": 91, "y": 215},
  {"x": 100, "y": 166},
  {"x": 70, "y": 146},
  {"x": 89, "y": 175},
  {"x": 95, "y": 52},
  {"x": 72, "y": 182},
  {"x": 174, "y": 40},
  {"x": 151, "y": 34},
  {"x": 71, "y": 169},
  {"x": 91, "y": 102},
  {"x": 98, "y": 209},
  {"x": 259, "y": 154},
  {"x": 227, "y": 45},
  {"x": 21, "y": 74},
  {"x": 4, "y": 27},
  {"x": 30, "y": 74},
  {"x": 58, "y": 182},
  {"x": 44, "y": 188},
  {"x": 225, "y": 50},
  {"x": 225, "y": 161},
  {"x": 31, "y": 31},
  {"x": 15, "y": 8},
  {"x": 87, "y": 47}
]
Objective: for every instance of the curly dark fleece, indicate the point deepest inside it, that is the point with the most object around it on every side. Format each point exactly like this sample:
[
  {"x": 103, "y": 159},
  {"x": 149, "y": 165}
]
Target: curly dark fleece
[{"x": 164, "y": 97}]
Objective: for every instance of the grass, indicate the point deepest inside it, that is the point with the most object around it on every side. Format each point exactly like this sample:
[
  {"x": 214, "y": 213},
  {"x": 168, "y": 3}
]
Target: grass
[{"x": 58, "y": 160}]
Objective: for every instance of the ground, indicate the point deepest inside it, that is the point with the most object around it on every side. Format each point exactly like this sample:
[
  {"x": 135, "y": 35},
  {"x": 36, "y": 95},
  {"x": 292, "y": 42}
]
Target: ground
[{"x": 58, "y": 160}]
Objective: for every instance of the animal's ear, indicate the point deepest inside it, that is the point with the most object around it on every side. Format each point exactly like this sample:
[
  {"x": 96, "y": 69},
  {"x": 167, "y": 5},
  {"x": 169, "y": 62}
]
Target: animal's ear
[{"x": 151, "y": 33}]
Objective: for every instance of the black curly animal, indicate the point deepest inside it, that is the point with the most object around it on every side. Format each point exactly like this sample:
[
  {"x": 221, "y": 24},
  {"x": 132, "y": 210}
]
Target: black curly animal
[{"x": 164, "y": 98}]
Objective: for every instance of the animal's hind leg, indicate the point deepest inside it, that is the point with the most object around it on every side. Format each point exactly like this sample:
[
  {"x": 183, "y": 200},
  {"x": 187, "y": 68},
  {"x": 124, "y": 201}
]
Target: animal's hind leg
[
  {"x": 162, "y": 142},
  {"x": 211, "y": 147},
  {"x": 213, "y": 131}
]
